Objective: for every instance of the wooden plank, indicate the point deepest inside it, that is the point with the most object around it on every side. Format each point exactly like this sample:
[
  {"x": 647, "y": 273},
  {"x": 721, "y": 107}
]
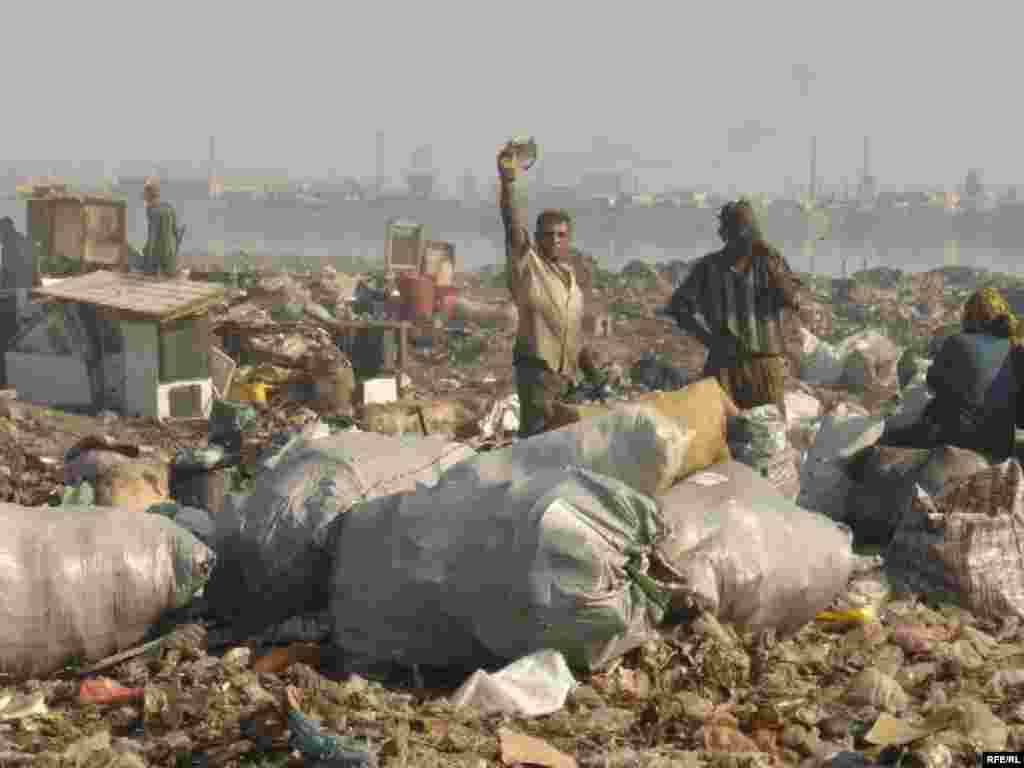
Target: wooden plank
[{"x": 222, "y": 371}]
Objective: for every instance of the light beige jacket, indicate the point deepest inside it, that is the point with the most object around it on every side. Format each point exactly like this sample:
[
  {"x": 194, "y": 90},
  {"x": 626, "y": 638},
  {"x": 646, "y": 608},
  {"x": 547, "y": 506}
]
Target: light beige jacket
[{"x": 550, "y": 306}]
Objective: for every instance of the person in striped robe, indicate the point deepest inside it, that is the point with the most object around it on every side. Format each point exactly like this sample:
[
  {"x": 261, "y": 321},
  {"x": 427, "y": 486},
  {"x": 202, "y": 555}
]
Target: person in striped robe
[{"x": 733, "y": 301}]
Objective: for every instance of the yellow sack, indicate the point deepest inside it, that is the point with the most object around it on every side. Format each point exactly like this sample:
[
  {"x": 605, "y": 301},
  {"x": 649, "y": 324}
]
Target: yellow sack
[
  {"x": 134, "y": 485},
  {"x": 702, "y": 406},
  {"x": 705, "y": 408}
]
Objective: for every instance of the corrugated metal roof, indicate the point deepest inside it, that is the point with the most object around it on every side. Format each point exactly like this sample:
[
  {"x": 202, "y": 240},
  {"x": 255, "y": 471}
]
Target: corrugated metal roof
[
  {"x": 85, "y": 198},
  {"x": 155, "y": 297}
]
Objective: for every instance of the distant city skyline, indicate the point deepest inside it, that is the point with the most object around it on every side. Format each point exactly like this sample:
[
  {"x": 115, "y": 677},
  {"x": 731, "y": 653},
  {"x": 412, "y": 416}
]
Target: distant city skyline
[{"x": 450, "y": 181}]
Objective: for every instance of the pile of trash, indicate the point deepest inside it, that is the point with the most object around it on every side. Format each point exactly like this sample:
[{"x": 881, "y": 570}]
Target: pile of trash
[
  {"x": 662, "y": 579},
  {"x": 588, "y": 552},
  {"x": 875, "y": 680}
]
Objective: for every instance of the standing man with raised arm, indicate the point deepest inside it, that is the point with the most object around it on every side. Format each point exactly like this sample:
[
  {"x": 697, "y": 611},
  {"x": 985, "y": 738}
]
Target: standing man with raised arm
[{"x": 548, "y": 352}]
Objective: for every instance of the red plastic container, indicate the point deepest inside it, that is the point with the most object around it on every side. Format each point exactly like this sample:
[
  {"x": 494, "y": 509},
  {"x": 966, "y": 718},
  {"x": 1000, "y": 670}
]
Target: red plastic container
[
  {"x": 417, "y": 294},
  {"x": 394, "y": 308},
  {"x": 445, "y": 296}
]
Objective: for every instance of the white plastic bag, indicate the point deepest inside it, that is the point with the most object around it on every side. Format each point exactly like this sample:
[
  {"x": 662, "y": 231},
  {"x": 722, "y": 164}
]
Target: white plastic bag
[
  {"x": 502, "y": 418},
  {"x": 801, "y": 408},
  {"x": 869, "y": 358},
  {"x": 532, "y": 686}
]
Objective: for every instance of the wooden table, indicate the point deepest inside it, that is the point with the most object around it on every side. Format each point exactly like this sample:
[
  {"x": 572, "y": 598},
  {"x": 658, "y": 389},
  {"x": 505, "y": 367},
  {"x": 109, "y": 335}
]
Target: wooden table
[{"x": 348, "y": 329}]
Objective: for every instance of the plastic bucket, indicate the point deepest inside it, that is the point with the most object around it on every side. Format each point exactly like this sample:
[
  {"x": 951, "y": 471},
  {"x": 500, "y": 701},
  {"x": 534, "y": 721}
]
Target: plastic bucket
[
  {"x": 445, "y": 300},
  {"x": 418, "y": 294}
]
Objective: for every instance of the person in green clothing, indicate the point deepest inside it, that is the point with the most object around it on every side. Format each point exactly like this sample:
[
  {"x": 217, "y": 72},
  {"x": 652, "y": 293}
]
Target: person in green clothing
[{"x": 160, "y": 256}]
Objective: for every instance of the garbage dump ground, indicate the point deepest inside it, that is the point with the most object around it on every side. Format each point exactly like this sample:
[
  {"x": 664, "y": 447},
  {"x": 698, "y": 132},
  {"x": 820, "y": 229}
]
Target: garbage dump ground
[{"x": 723, "y": 645}]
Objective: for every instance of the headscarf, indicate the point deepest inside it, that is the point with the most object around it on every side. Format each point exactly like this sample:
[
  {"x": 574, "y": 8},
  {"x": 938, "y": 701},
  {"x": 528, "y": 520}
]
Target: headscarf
[
  {"x": 987, "y": 311},
  {"x": 735, "y": 214}
]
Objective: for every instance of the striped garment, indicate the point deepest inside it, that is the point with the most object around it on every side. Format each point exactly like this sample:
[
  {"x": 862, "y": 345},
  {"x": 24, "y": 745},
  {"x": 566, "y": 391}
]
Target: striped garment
[{"x": 748, "y": 305}]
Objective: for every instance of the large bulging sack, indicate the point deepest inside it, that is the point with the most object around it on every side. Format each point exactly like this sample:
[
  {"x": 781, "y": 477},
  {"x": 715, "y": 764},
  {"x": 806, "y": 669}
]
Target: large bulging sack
[
  {"x": 551, "y": 561},
  {"x": 869, "y": 360},
  {"x": 913, "y": 402},
  {"x": 965, "y": 543},
  {"x": 277, "y": 564},
  {"x": 632, "y": 443},
  {"x": 844, "y": 433},
  {"x": 87, "y": 582},
  {"x": 748, "y": 554},
  {"x": 91, "y": 464},
  {"x": 885, "y": 481},
  {"x": 134, "y": 484},
  {"x": 705, "y": 408},
  {"x": 801, "y": 407}
]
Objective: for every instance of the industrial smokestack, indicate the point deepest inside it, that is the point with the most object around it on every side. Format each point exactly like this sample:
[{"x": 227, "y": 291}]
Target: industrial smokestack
[
  {"x": 379, "y": 181},
  {"x": 867, "y": 157},
  {"x": 215, "y": 186},
  {"x": 813, "y": 186}
]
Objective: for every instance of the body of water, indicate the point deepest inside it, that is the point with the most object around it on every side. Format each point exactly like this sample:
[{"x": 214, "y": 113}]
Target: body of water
[{"x": 217, "y": 227}]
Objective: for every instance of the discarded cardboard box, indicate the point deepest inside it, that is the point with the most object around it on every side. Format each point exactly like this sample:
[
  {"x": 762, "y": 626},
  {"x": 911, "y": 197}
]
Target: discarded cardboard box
[{"x": 383, "y": 389}]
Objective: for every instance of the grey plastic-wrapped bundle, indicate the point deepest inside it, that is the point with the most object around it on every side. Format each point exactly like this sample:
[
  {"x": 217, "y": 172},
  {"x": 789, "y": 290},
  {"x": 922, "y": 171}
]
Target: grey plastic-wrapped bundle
[
  {"x": 743, "y": 551},
  {"x": 451, "y": 576},
  {"x": 276, "y": 565},
  {"x": 86, "y": 582},
  {"x": 844, "y": 432}
]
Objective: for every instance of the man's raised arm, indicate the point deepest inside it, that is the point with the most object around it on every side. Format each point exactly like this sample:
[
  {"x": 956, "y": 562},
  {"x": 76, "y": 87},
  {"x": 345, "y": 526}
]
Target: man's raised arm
[{"x": 513, "y": 215}]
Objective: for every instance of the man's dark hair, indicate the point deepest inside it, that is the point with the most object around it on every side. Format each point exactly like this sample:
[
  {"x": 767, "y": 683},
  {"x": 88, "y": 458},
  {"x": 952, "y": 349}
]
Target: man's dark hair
[
  {"x": 556, "y": 216},
  {"x": 732, "y": 214}
]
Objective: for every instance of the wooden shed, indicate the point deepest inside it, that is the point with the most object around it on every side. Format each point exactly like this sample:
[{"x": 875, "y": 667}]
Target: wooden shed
[
  {"x": 163, "y": 339},
  {"x": 77, "y": 232},
  {"x": 404, "y": 246}
]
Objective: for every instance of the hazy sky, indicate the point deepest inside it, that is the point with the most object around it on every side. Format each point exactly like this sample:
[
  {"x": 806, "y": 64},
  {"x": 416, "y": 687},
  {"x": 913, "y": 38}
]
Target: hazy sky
[{"x": 304, "y": 86}]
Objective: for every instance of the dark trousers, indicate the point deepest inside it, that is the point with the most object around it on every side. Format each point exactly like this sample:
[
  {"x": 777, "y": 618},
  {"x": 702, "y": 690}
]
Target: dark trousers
[{"x": 538, "y": 388}]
